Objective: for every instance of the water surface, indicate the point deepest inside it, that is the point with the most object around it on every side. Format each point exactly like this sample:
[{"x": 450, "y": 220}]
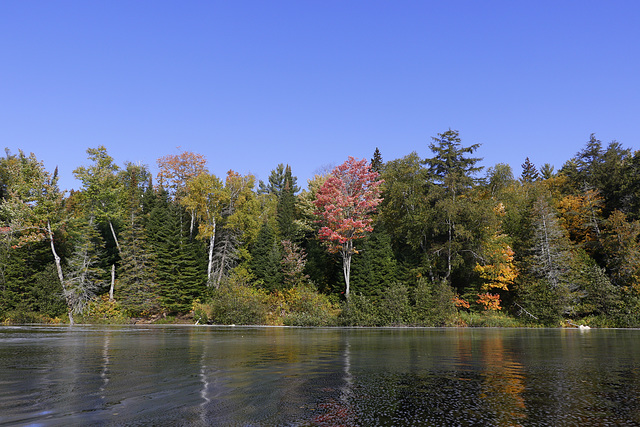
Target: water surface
[{"x": 202, "y": 375}]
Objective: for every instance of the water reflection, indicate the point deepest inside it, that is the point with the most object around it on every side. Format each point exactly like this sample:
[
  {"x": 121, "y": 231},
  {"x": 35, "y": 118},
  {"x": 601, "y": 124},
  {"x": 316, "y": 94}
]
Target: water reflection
[
  {"x": 322, "y": 377},
  {"x": 503, "y": 383}
]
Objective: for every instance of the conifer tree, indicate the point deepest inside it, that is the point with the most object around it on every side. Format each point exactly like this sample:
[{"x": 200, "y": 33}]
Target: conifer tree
[
  {"x": 529, "y": 172},
  {"x": 376, "y": 161},
  {"x": 286, "y": 207},
  {"x": 265, "y": 259},
  {"x": 376, "y": 268},
  {"x": 453, "y": 173},
  {"x": 137, "y": 293},
  {"x": 177, "y": 261}
]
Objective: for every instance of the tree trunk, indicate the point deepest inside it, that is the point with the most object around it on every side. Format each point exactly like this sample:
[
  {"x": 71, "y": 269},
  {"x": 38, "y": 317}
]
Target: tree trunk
[
  {"x": 115, "y": 238},
  {"x": 212, "y": 241},
  {"x": 347, "y": 253},
  {"x": 59, "y": 269},
  {"x": 113, "y": 280},
  {"x": 192, "y": 213},
  {"x": 222, "y": 261}
]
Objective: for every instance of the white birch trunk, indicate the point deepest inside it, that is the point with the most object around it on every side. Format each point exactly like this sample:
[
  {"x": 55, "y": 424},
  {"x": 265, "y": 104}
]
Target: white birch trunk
[
  {"x": 212, "y": 241},
  {"x": 56, "y": 258},
  {"x": 347, "y": 253},
  {"x": 113, "y": 280},
  {"x": 115, "y": 238}
]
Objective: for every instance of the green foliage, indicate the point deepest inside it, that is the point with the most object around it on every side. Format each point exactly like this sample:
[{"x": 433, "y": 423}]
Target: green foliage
[
  {"x": 101, "y": 310},
  {"x": 233, "y": 305},
  {"x": 433, "y": 303},
  {"x": 375, "y": 268},
  {"x": 285, "y": 213},
  {"x": 558, "y": 247},
  {"x": 306, "y": 307},
  {"x": 394, "y": 308},
  {"x": 266, "y": 256},
  {"x": 541, "y": 300},
  {"x": 359, "y": 311},
  {"x": 136, "y": 288},
  {"x": 177, "y": 259}
]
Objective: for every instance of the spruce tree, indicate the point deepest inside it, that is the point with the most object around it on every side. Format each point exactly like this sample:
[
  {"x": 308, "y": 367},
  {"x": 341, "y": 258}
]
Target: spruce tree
[
  {"x": 529, "y": 172},
  {"x": 286, "y": 207},
  {"x": 376, "y": 161},
  {"x": 137, "y": 290},
  {"x": 376, "y": 269},
  {"x": 455, "y": 226},
  {"x": 265, "y": 259},
  {"x": 177, "y": 257}
]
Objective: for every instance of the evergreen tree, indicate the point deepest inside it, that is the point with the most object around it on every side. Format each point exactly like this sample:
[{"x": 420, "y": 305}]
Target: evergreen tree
[
  {"x": 28, "y": 282},
  {"x": 376, "y": 268},
  {"x": 456, "y": 222},
  {"x": 277, "y": 181},
  {"x": 376, "y": 161},
  {"x": 137, "y": 293},
  {"x": 265, "y": 259},
  {"x": 529, "y": 172},
  {"x": 177, "y": 258},
  {"x": 547, "y": 171},
  {"x": 286, "y": 207}
]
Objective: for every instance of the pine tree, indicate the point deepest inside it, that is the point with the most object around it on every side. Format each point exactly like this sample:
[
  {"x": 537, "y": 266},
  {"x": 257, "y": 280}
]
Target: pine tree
[
  {"x": 265, "y": 259},
  {"x": 529, "y": 172},
  {"x": 137, "y": 291},
  {"x": 177, "y": 258},
  {"x": 277, "y": 181},
  {"x": 286, "y": 208},
  {"x": 376, "y": 268},
  {"x": 453, "y": 173},
  {"x": 376, "y": 161}
]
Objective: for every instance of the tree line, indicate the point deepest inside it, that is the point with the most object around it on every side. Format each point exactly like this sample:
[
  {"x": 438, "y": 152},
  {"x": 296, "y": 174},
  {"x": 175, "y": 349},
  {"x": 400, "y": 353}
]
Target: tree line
[{"x": 434, "y": 240}]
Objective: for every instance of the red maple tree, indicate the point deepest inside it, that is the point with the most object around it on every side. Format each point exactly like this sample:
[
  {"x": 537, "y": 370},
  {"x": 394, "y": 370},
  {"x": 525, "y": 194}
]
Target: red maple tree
[{"x": 346, "y": 202}]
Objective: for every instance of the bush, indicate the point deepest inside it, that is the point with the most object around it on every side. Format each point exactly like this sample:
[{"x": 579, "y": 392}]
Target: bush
[
  {"x": 434, "y": 304},
  {"x": 307, "y": 307},
  {"x": 359, "y": 310},
  {"x": 24, "y": 317},
  {"x": 233, "y": 305},
  {"x": 395, "y": 309},
  {"x": 104, "y": 311}
]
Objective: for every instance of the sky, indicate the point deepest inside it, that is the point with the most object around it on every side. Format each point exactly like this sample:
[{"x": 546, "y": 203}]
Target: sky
[{"x": 251, "y": 84}]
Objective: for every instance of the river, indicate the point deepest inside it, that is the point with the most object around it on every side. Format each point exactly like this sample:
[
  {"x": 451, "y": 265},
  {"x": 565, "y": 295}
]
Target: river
[{"x": 266, "y": 376}]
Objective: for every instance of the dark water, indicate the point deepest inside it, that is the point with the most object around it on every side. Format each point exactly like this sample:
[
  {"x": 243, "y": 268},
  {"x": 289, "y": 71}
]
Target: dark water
[{"x": 190, "y": 375}]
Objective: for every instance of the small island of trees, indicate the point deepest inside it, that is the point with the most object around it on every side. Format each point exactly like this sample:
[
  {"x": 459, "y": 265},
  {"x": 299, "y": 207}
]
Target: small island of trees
[{"x": 415, "y": 241}]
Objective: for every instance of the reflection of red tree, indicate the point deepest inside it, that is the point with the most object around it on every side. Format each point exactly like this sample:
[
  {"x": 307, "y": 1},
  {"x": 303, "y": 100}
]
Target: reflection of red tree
[{"x": 335, "y": 415}]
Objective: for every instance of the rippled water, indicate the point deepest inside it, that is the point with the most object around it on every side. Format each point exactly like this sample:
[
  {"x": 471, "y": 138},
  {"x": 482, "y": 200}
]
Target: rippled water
[{"x": 201, "y": 375}]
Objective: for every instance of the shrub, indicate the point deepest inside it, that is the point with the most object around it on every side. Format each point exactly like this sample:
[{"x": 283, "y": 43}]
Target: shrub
[
  {"x": 395, "y": 309},
  {"x": 24, "y": 317},
  {"x": 307, "y": 307},
  {"x": 434, "y": 303},
  {"x": 103, "y": 310},
  {"x": 233, "y": 305},
  {"x": 359, "y": 311}
]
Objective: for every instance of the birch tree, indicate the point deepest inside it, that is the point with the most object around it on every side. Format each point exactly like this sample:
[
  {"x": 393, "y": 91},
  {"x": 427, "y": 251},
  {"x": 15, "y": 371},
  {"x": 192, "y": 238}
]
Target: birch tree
[{"x": 207, "y": 197}]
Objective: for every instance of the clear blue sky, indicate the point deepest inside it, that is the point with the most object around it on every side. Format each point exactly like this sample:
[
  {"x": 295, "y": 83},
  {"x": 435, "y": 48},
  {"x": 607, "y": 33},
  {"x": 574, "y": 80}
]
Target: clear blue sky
[{"x": 250, "y": 84}]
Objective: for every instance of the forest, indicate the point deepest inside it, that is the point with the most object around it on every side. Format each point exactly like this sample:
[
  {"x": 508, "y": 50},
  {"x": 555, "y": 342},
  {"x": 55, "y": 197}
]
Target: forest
[{"x": 416, "y": 241}]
